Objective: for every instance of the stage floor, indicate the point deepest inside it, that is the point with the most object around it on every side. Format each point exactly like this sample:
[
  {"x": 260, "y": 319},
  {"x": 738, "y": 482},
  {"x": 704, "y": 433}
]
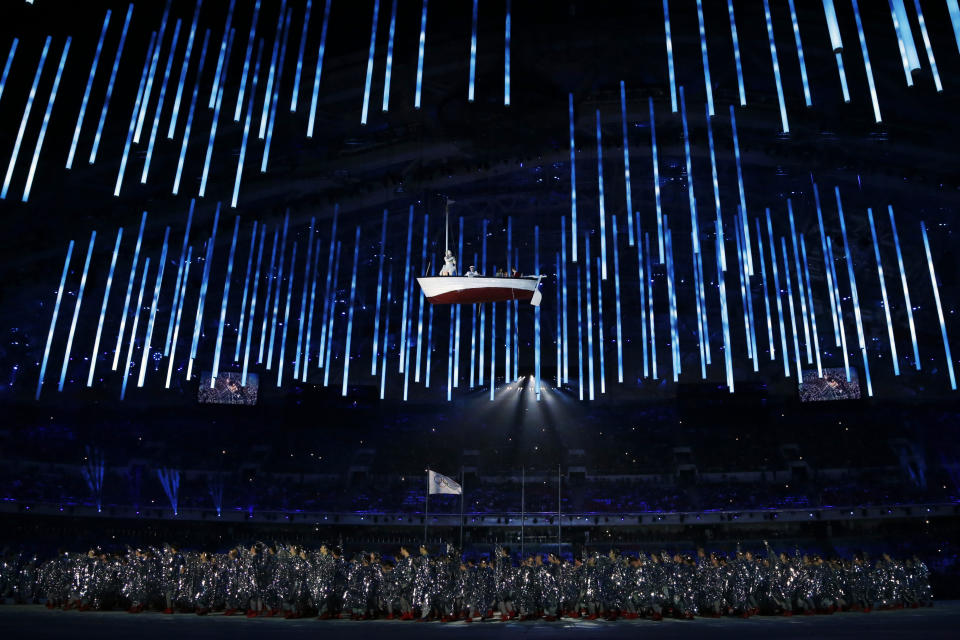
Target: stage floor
[{"x": 36, "y": 623}]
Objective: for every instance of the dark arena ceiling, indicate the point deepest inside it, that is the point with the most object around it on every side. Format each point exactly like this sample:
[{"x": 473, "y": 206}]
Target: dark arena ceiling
[{"x": 504, "y": 159}]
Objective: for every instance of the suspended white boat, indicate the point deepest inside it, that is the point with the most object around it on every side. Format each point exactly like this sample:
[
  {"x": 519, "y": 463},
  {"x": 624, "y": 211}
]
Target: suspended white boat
[{"x": 479, "y": 289}]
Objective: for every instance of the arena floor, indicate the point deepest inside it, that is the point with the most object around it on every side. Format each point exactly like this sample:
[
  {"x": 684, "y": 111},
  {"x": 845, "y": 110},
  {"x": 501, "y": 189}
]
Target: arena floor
[{"x": 36, "y": 622}]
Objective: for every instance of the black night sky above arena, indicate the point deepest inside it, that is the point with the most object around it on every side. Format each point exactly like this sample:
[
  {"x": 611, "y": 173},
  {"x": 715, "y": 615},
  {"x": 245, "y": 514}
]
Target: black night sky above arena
[{"x": 684, "y": 247}]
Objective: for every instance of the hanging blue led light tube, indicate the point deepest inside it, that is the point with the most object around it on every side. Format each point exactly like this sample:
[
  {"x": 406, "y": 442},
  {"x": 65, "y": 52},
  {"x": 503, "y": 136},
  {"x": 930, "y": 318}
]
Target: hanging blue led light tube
[
  {"x": 866, "y": 61},
  {"x": 86, "y": 91},
  {"x": 703, "y": 330},
  {"x": 253, "y": 308},
  {"x": 473, "y": 338},
  {"x": 174, "y": 115},
  {"x": 559, "y": 325},
  {"x": 493, "y": 349},
  {"x": 271, "y": 76},
  {"x": 831, "y": 281},
  {"x": 656, "y": 176},
  {"x": 23, "y": 121},
  {"x": 836, "y": 294},
  {"x": 430, "y": 345},
  {"x": 562, "y": 270},
  {"x": 201, "y": 300},
  {"x": 190, "y": 111},
  {"x": 716, "y": 198},
  {"x": 46, "y": 120},
  {"x": 926, "y": 42},
  {"x": 672, "y": 296},
  {"x": 776, "y": 73},
  {"x": 745, "y": 224},
  {"x": 126, "y": 301},
  {"x": 800, "y": 288},
  {"x": 483, "y": 309},
  {"x": 353, "y": 298},
  {"x": 745, "y": 291},
  {"x": 319, "y": 69},
  {"x": 450, "y": 349},
  {"x": 883, "y": 291},
  {"x": 508, "y": 331},
  {"x": 9, "y": 62},
  {"x": 793, "y": 312},
  {"x": 376, "y": 318},
  {"x": 113, "y": 77},
  {"x": 176, "y": 288},
  {"x": 853, "y": 291},
  {"x": 616, "y": 285},
  {"x": 303, "y": 42},
  {"x": 276, "y": 94},
  {"x": 423, "y": 41},
  {"x": 803, "y": 64},
  {"x": 326, "y": 291},
  {"x": 76, "y": 311},
  {"x": 906, "y": 289},
  {"x": 179, "y": 314},
  {"x": 766, "y": 292},
  {"x": 133, "y": 331},
  {"x": 626, "y": 161},
  {"x": 836, "y": 42},
  {"x": 286, "y": 317},
  {"x": 473, "y": 52},
  {"x": 213, "y": 129},
  {"x": 701, "y": 338},
  {"x": 641, "y": 283},
  {"x": 516, "y": 324},
  {"x": 813, "y": 315},
  {"x": 53, "y": 319},
  {"x": 103, "y": 307},
  {"x": 154, "y": 60},
  {"x": 373, "y": 48},
  {"x": 422, "y": 299},
  {"x": 736, "y": 53},
  {"x": 220, "y": 76},
  {"x": 331, "y": 318},
  {"x": 936, "y": 297},
  {"x": 573, "y": 187},
  {"x": 313, "y": 298},
  {"x": 536, "y": 315},
  {"x": 271, "y": 276},
  {"x": 133, "y": 117},
  {"x": 579, "y": 333},
  {"x": 600, "y": 341},
  {"x": 406, "y": 292},
  {"x": 724, "y": 316},
  {"x": 706, "y": 61},
  {"x": 905, "y": 41},
  {"x": 673, "y": 80},
  {"x": 456, "y": 351},
  {"x": 153, "y": 308},
  {"x": 388, "y": 72},
  {"x": 650, "y": 315},
  {"x": 601, "y": 199},
  {"x": 299, "y": 359},
  {"x": 386, "y": 336},
  {"x": 251, "y": 37},
  {"x": 589, "y": 314},
  {"x": 246, "y": 131},
  {"x": 276, "y": 290},
  {"x": 506, "y": 58},
  {"x": 954, "y": 8},
  {"x": 160, "y": 100},
  {"x": 776, "y": 287}
]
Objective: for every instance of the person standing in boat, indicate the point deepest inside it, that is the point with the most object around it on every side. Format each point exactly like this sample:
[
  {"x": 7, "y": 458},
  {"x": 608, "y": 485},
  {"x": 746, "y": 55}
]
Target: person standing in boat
[
  {"x": 472, "y": 272},
  {"x": 449, "y": 264}
]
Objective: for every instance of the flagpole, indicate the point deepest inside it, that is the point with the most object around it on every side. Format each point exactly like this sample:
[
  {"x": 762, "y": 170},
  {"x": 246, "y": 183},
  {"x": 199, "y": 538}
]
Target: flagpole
[
  {"x": 461, "y": 510},
  {"x": 523, "y": 487},
  {"x": 559, "y": 521},
  {"x": 426, "y": 510}
]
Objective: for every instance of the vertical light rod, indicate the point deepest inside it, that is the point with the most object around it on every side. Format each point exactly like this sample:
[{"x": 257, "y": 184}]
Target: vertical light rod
[
  {"x": 126, "y": 301},
  {"x": 23, "y": 121},
  {"x": 319, "y": 68},
  {"x": 373, "y": 48},
  {"x": 154, "y": 61},
  {"x": 103, "y": 307},
  {"x": 800, "y": 287},
  {"x": 673, "y": 80},
  {"x": 175, "y": 114},
  {"x": 386, "y": 336},
  {"x": 766, "y": 293},
  {"x": 251, "y": 37},
  {"x": 286, "y": 315},
  {"x": 326, "y": 291},
  {"x": 246, "y": 131},
  {"x": 813, "y": 315},
  {"x": 602, "y": 200},
  {"x": 866, "y": 61},
  {"x": 202, "y": 298},
  {"x": 406, "y": 292},
  {"x": 113, "y": 77},
  {"x": 9, "y": 62},
  {"x": 883, "y": 291},
  {"x": 724, "y": 315},
  {"x": 776, "y": 73},
  {"x": 506, "y": 57},
  {"x": 423, "y": 41},
  {"x": 473, "y": 53},
  {"x": 299, "y": 72},
  {"x": 160, "y": 100},
  {"x": 579, "y": 333},
  {"x": 600, "y": 340},
  {"x": 179, "y": 313},
  {"x": 643, "y": 287},
  {"x": 573, "y": 186},
  {"x": 793, "y": 312},
  {"x": 837, "y": 303},
  {"x": 190, "y": 111},
  {"x": 626, "y": 161},
  {"x": 926, "y": 42},
  {"x": 276, "y": 291},
  {"x": 803, "y": 64},
  {"x": 223, "y": 59},
  {"x": 53, "y": 319},
  {"x": 736, "y": 53},
  {"x": 936, "y": 297},
  {"x": 223, "y": 302},
  {"x": 271, "y": 276},
  {"x": 906, "y": 289},
  {"x": 275, "y": 101},
  {"x": 376, "y": 318},
  {"x": 423, "y": 301},
  {"x": 46, "y": 120},
  {"x": 650, "y": 315},
  {"x": 616, "y": 286},
  {"x": 246, "y": 286},
  {"x": 776, "y": 288},
  {"x": 141, "y": 92},
  {"x": 86, "y": 91},
  {"x": 153, "y": 309},
  {"x": 853, "y": 291},
  {"x": 832, "y": 284},
  {"x": 656, "y": 177},
  {"x": 133, "y": 330},
  {"x": 745, "y": 224},
  {"x": 350, "y": 311},
  {"x": 388, "y": 72},
  {"x": 706, "y": 61},
  {"x": 589, "y": 316},
  {"x": 76, "y": 312},
  {"x": 213, "y": 130}
]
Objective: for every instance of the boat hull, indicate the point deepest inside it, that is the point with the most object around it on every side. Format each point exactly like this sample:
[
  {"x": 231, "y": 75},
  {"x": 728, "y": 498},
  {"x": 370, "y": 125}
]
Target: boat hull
[{"x": 476, "y": 290}]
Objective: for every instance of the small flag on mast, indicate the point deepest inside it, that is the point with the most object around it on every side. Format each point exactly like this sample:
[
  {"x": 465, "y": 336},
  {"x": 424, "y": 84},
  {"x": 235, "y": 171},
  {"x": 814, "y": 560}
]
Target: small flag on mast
[{"x": 440, "y": 483}]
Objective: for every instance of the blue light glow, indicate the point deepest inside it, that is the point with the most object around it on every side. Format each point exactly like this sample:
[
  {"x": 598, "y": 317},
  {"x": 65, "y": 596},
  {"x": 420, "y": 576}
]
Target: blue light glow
[
  {"x": 450, "y": 348},
  {"x": 23, "y": 121},
  {"x": 600, "y": 341},
  {"x": 326, "y": 291},
  {"x": 603, "y": 212},
  {"x": 155, "y": 59},
  {"x": 133, "y": 117},
  {"x": 174, "y": 115},
  {"x": 724, "y": 316},
  {"x": 133, "y": 331},
  {"x": 616, "y": 285},
  {"x": 221, "y": 74},
  {"x": 866, "y": 61},
  {"x": 332, "y": 317},
  {"x": 303, "y": 42},
  {"x": 430, "y": 346},
  {"x": 579, "y": 334},
  {"x": 776, "y": 287},
  {"x": 406, "y": 292},
  {"x": 508, "y": 332},
  {"x": 253, "y": 305},
  {"x": 926, "y": 42},
  {"x": 745, "y": 224},
  {"x": 506, "y": 57},
  {"x": 813, "y": 314},
  {"x": 800, "y": 288},
  {"x": 716, "y": 198},
  {"x": 803, "y": 65},
  {"x": 493, "y": 350},
  {"x": 286, "y": 318},
  {"x": 422, "y": 299},
  {"x": 9, "y": 62},
  {"x": 559, "y": 324},
  {"x": 113, "y": 77},
  {"x": 650, "y": 314},
  {"x": 126, "y": 301},
  {"x": 766, "y": 292},
  {"x": 201, "y": 300},
  {"x": 276, "y": 290},
  {"x": 423, "y": 40},
  {"x": 160, "y": 99},
  {"x": 642, "y": 286},
  {"x": 836, "y": 42},
  {"x": 736, "y": 53},
  {"x": 776, "y": 73},
  {"x": 353, "y": 298},
  {"x": 905, "y": 41},
  {"x": 386, "y": 333},
  {"x": 536, "y": 314},
  {"x": 473, "y": 339},
  {"x": 271, "y": 76},
  {"x": 483, "y": 307},
  {"x": 831, "y": 281},
  {"x": 153, "y": 308},
  {"x": 793, "y": 312},
  {"x": 853, "y": 292},
  {"x": 271, "y": 276},
  {"x": 626, "y": 161},
  {"x": 249, "y": 52},
  {"x": 373, "y": 48},
  {"x": 376, "y": 317},
  {"x": 103, "y": 307},
  {"x": 274, "y": 103},
  {"x": 223, "y": 302},
  {"x": 86, "y": 91},
  {"x": 883, "y": 291},
  {"x": 706, "y": 61},
  {"x": 836, "y": 293},
  {"x": 656, "y": 177},
  {"x": 46, "y": 120},
  {"x": 701, "y": 337},
  {"x": 319, "y": 69},
  {"x": 246, "y": 130},
  {"x": 389, "y": 70},
  {"x": 746, "y": 294},
  {"x": 573, "y": 188},
  {"x": 193, "y": 106},
  {"x": 673, "y": 80},
  {"x": 179, "y": 313},
  {"x": 562, "y": 270},
  {"x": 213, "y": 129},
  {"x": 589, "y": 327},
  {"x": 53, "y": 319},
  {"x": 906, "y": 289},
  {"x": 672, "y": 297},
  {"x": 703, "y": 330},
  {"x": 473, "y": 52},
  {"x": 76, "y": 311},
  {"x": 936, "y": 297},
  {"x": 456, "y": 348},
  {"x": 312, "y": 303}
]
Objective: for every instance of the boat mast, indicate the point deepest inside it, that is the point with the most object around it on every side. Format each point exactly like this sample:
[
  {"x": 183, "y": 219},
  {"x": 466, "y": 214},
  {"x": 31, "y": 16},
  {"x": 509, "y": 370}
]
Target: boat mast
[{"x": 446, "y": 216}]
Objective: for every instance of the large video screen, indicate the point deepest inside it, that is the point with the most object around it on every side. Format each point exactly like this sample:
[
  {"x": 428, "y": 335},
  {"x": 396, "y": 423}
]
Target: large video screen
[
  {"x": 832, "y": 386},
  {"x": 227, "y": 389}
]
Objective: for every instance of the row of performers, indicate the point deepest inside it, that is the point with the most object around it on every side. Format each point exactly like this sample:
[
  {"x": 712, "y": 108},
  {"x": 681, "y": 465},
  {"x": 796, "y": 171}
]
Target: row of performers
[{"x": 293, "y": 581}]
